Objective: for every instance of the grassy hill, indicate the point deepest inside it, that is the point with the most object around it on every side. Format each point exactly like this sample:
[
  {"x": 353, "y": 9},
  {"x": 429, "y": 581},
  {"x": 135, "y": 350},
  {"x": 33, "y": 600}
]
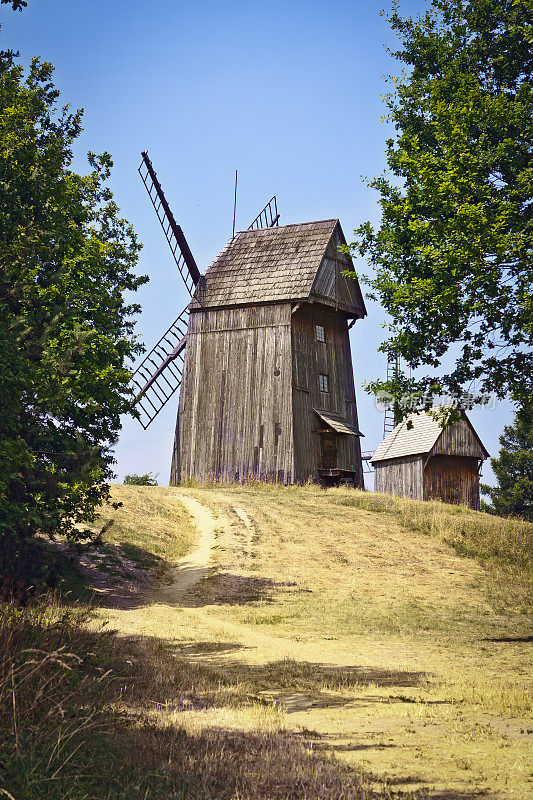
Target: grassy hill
[{"x": 334, "y": 644}]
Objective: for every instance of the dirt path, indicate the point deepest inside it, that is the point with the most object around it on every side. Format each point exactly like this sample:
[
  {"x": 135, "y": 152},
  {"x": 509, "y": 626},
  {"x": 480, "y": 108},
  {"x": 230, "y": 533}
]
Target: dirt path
[{"x": 190, "y": 569}]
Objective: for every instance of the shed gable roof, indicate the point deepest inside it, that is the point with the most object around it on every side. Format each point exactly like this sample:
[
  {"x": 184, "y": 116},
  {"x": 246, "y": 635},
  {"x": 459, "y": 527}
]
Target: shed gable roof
[
  {"x": 419, "y": 438},
  {"x": 277, "y": 264}
]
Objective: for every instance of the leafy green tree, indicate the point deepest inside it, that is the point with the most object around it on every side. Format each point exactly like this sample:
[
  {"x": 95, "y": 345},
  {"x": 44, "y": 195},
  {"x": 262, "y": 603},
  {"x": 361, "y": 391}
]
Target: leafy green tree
[
  {"x": 514, "y": 469},
  {"x": 453, "y": 254},
  {"x": 66, "y": 329}
]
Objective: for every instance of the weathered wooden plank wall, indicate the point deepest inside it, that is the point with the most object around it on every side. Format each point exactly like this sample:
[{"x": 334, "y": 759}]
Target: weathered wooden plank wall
[
  {"x": 175, "y": 463},
  {"x": 235, "y": 416},
  {"x": 452, "y": 479},
  {"x": 331, "y": 358},
  {"x": 331, "y": 286},
  {"x": 458, "y": 440},
  {"x": 403, "y": 477}
]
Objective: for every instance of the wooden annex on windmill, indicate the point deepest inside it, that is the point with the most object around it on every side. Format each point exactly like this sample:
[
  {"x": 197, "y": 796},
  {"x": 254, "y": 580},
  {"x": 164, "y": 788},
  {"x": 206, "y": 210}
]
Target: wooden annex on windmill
[
  {"x": 267, "y": 388},
  {"x": 422, "y": 460}
]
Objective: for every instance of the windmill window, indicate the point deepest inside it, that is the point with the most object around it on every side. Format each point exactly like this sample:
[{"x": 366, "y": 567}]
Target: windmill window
[
  {"x": 323, "y": 382},
  {"x": 320, "y": 333}
]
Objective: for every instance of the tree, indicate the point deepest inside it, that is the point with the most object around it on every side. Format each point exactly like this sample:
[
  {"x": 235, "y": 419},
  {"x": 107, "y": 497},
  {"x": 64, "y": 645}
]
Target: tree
[
  {"x": 16, "y": 5},
  {"x": 453, "y": 254},
  {"x": 514, "y": 469},
  {"x": 66, "y": 330}
]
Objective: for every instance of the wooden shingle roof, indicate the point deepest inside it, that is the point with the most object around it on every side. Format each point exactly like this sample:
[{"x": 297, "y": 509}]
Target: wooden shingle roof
[
  {"x": 279, "y": 264},
  {"x": 420, "y": 433}
]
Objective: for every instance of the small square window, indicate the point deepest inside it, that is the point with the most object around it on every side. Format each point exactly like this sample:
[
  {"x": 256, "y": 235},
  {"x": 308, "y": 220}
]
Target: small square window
[
  {"x": 323, "y": 383},
  {"x": 320, "y": 333}
]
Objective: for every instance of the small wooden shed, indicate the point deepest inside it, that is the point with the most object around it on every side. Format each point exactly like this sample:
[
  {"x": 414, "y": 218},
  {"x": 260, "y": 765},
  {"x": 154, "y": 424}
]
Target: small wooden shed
[{"x": 422, "y": 460}]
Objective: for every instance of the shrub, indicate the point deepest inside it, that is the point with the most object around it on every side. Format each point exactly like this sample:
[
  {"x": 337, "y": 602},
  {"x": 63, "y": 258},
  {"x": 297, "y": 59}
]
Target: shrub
[{"x": 148, "y": 479}]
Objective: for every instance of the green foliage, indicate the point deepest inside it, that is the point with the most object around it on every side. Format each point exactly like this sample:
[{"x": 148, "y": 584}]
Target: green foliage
[
  {"x": 29, "y": 564},
  {"x": 148, "y": 479},
  {"x": 453, "y": 255},
  {"x": 16, "y": 5},
  {"x": 514, "y": 469},
  {"x": 66, "y": 331}
]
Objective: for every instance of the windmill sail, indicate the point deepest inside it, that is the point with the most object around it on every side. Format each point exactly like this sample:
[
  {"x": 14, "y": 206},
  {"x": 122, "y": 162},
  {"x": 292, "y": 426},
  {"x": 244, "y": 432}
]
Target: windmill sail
[
  {"x": 159, "y": 375},
  {"x": 268, "y": 217},
  {"x": 157, "y": 378},
  {"x": 174, "y": 235}
]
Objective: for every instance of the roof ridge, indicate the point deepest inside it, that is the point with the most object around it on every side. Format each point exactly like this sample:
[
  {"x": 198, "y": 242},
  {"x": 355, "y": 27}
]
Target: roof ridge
[{"x": 289, "y": 225}]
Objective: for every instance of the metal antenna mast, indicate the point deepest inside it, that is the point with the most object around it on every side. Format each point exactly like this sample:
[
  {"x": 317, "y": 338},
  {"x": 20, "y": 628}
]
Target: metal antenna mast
[
  {"x": 393, "y": 370},
  {"x": 234, "y": 206}
]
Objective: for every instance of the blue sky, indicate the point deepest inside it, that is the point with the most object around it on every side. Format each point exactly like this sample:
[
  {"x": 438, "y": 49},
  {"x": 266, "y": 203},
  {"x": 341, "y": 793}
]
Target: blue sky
[{"x": 288, "y": 93}]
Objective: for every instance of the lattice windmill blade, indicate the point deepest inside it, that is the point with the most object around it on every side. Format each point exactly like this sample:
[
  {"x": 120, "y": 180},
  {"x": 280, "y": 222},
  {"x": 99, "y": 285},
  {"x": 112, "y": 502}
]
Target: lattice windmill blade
[
  {"x": 268, "y": 217},
  {"x": 175, "y": 237},
  {"x": 157, "y": 378}
]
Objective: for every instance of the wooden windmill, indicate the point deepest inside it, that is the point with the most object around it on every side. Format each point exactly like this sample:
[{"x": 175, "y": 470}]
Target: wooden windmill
[{"x": 261, "y": 354}]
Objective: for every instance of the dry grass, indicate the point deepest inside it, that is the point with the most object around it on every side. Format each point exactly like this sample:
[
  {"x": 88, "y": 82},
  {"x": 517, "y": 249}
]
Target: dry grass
[
  {"x": 150, "y": 518},
  {"x": 506, "y": 696},
  {"x": 337, "y": 631},
  {"x": 84, "y": 714},
  {"x": 504, "y": 546},
  {"x": 150, "y": 529},
  {"x": 390, "y": 634}
]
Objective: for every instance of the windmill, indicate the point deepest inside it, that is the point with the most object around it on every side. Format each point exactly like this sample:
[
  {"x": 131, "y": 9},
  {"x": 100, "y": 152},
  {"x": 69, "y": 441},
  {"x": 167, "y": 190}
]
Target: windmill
[{"x": 261, "y": 354}]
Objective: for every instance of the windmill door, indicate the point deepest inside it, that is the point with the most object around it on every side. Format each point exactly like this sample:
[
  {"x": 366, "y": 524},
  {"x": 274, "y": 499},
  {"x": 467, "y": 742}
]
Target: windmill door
[{"x": 328, "y": 450}]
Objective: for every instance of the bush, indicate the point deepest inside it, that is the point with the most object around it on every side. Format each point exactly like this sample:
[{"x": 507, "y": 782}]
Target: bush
[{"x": 148, "y": 479}]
